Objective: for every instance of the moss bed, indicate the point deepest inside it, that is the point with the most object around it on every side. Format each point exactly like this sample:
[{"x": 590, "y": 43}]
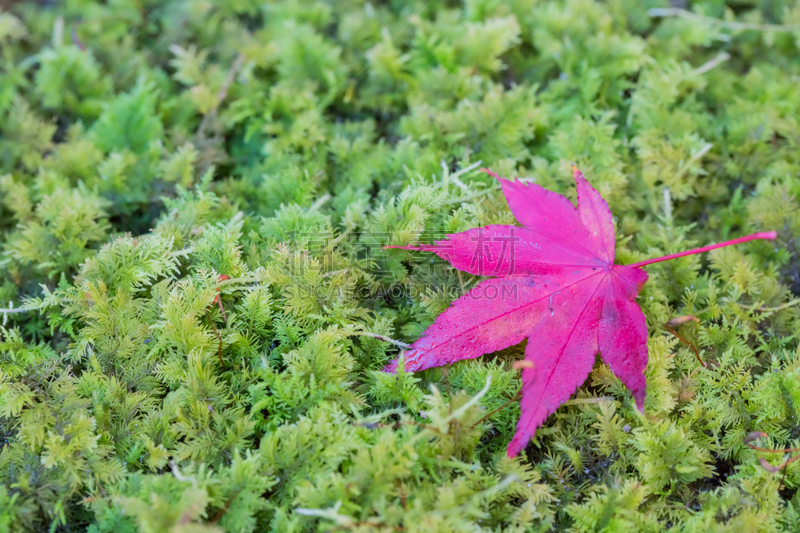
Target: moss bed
[{"x": 193, "y": 199}]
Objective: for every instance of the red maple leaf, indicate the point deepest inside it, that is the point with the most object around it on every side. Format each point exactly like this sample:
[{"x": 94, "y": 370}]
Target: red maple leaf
[{"x": 555, "y": 282}]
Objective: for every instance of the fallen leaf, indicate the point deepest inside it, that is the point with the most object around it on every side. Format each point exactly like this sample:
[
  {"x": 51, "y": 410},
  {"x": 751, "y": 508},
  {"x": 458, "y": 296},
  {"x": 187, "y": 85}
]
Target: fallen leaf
[
  {"x": 555, "y": 283},
  {"x": 753, "y": 435},
  {"x": 681, "y": 320},
  {"x": 768, "y": 467}
]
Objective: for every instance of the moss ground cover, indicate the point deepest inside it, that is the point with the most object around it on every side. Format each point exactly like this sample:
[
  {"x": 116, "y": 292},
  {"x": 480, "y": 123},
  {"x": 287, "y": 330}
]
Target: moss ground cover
[{"x": 193, "y": 199}]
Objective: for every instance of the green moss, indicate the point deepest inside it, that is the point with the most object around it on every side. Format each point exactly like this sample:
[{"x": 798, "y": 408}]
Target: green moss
[{"x": 193, "y": 200}]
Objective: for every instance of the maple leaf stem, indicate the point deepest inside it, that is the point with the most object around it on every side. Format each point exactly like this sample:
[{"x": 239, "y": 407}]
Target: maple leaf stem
[{"x": 768, "y": 235}]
